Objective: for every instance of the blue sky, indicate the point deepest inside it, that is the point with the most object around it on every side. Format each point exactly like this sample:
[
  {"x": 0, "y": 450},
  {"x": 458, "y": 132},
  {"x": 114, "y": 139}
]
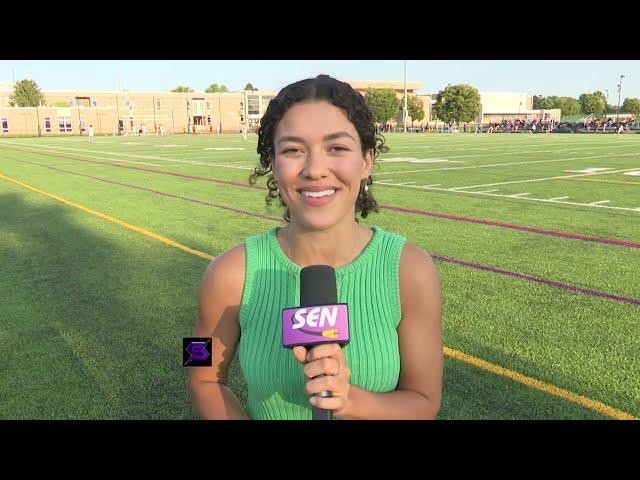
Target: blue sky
[{"x": 544, "y": 77}]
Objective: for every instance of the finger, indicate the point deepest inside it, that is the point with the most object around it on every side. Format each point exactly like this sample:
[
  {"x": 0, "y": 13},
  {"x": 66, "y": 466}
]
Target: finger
[
  {"x": 324, "y": 350},
  {"x": 327, "y": 403},
  {"x": 321, "y": 384},
  {"x": 323, "y": 366},
  {"x": 300, "y": 353}
]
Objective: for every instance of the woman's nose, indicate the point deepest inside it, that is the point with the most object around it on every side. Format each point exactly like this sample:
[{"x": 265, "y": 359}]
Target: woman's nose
[{"x": 315, "y": 165}]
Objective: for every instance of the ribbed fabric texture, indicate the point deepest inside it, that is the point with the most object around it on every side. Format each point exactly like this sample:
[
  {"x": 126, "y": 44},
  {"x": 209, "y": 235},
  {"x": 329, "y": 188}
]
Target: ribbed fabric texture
[{"x": 370, "y": 287}]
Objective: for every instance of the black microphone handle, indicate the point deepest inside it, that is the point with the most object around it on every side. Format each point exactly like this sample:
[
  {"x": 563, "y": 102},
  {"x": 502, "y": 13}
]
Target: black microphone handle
[
  {"x": 321, "y": 413},
  {"x": 318, "y": 287}
]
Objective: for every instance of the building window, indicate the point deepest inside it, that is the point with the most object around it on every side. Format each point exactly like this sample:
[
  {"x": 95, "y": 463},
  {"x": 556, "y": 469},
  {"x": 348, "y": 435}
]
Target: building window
[
  {"x": 265, "y": 102},
  {"x": 64, "y": 124},
  {"x": 198, "y": 107},
  {"x": 158, "y": 104},
  {"x": 209, "y": 120},
  {"x": 94, "y": 102},
  {"x": 253, "y": 105},
  {"x": 83, "y": 101},
  {"x": 198, "y": 120},
  {"x": 82, "y": 123},
  {"x": 128, "y": 104},
  {"x": 5, "y": 125},
  {"x": 208, "y": 106},
  {"x": 70, "y": 101},
  {"x": 47, "y": 124}
]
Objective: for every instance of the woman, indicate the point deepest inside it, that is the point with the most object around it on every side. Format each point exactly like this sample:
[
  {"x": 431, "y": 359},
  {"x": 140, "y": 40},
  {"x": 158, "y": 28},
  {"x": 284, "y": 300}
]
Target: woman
[{"x": 317, "y": 139}]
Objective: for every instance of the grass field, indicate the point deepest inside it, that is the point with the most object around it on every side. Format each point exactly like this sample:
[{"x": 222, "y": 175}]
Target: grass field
[{"x": 536, "y": 239}]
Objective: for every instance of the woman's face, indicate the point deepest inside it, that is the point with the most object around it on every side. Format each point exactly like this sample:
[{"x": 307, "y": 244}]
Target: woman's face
[{"x": 319, "y": 164}]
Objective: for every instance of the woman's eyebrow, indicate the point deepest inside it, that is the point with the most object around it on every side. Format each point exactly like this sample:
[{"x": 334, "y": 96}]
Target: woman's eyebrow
[
  {"x": 334, "y": 136},
  {"x": 290, "y": 138}
]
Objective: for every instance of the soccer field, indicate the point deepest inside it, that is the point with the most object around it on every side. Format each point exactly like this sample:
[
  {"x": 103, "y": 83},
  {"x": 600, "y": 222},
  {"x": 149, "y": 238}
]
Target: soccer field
[{"x": 536, "y": 239}]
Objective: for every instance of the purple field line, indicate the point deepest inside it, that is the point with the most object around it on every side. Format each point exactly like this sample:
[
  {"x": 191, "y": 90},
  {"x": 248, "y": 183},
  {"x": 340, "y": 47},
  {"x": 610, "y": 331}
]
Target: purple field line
[
  {"x": 531, "y": 278},
  {"x": 180, "y": 197},
  {"x": 477, "y": 266},
  {"x": 514, "y": 227},
  {"x": 538, "y": 231}
]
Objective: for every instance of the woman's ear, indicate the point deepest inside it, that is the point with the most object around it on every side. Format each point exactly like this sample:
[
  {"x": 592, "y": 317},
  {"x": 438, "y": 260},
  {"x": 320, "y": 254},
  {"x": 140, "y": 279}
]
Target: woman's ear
[{"x": 367, "y": 164}]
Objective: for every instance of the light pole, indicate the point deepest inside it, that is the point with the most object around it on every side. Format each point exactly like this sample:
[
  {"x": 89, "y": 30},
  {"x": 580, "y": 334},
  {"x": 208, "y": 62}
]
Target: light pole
[
  {"x": 606, "y": 103},
  {"x": 404, "y": 109},
  {"x": 619, "y": 90}
]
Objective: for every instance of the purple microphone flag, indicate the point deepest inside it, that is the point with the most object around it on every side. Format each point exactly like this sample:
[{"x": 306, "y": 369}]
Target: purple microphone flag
[{"x": 314, "y": 325}]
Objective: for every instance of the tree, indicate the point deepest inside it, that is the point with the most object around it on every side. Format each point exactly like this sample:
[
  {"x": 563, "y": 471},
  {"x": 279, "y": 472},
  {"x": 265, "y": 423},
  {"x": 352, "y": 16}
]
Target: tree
[
  {"x": 631, "y": 105},
  {"x": 248, "y": 86},
  {"x": 543, "y": 103},
  {"x": 568, "y": 105},
  {"x": 384, "y": 104},
  {"x": 215, "y": 88},
  {"x": 458, "y": 103},
  {"x": 593, "y": 102},
  {"x": 26, "y": 94},
  {"x": 180, "y": 88},
  {"x": 415, "y": 108}
]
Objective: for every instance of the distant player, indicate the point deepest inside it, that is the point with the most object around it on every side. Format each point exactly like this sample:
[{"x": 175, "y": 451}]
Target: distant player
[{"x": 90, "y": 133}]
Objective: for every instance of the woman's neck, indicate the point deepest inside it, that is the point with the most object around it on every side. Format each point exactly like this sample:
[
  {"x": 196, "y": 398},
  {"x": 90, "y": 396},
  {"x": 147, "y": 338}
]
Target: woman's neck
[{"x": 337, "y": 246}]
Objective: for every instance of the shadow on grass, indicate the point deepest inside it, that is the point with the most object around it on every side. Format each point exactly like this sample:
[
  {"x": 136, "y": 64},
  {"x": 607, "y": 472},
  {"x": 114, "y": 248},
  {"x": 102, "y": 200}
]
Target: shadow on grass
[{"x": 93, "y": 317}]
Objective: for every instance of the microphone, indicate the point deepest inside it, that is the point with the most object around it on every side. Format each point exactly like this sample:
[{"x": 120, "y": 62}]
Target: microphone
[{"x": 319, "y": 318}]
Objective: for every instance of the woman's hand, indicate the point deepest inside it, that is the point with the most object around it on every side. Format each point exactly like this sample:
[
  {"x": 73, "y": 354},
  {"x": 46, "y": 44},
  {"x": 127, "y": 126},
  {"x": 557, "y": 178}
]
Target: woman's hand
[{"x": 329, "y": 361}]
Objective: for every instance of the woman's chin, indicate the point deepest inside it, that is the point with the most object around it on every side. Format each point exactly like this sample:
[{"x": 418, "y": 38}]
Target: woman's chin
[{"x": 315, "y": 220}]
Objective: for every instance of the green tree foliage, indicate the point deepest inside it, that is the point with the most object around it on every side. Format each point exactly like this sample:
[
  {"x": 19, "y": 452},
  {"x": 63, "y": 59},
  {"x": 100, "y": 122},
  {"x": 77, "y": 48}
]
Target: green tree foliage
[
  {"x": 180, "y": 88},
  {"x": 631, "y": 105},
  {"x": 250, "y": 87},
  {"x": 26, "y": 94},
  {"x": 593, "y": 102},
  {"x": 384, "y": 104},
  {"x": 415, "y": 108},
  {"x": 458, "y": 103},
  {"x": 546, "y": 103},
  {"x": 215, "y": 88},
  {"x": 568, "y": 105}
]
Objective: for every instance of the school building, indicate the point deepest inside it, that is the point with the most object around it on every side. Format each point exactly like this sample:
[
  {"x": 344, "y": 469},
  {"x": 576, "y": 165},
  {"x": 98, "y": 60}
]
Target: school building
[{"x": 70, "y": 112}]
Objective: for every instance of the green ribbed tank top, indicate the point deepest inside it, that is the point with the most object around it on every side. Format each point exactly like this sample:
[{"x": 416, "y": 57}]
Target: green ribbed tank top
[{"x": 370, "y": 287}]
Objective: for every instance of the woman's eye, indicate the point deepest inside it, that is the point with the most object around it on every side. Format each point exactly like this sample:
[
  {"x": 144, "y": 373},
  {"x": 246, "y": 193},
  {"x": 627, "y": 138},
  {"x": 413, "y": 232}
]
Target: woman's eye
[
  {"x": 339, "y": 148},
  {"x": 290, "y": 150}
]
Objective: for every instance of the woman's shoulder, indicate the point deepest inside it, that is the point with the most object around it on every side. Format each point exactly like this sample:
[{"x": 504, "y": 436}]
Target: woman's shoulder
[
  {"x": 416, "y": 265},
  {"x": 225, "y": 274}
]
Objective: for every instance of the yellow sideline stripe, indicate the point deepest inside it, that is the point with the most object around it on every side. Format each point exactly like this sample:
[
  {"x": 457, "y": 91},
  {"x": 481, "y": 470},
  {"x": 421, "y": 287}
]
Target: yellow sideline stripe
[
  {"x": 476, "y": 362},
  {"x": 537, "y": 384},
  {"x": 111, "y": 219},
  {"x": 602, "y": 181}
]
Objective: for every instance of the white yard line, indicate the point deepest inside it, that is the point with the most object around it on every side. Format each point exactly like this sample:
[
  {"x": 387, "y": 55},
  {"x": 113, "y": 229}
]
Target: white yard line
[
  {"x": 148, "y": 157},
  {"x": 598, "y": 203},
  {"x": 398, "y": 172},
  {"x": 554, "y": 198},
  {"x": 496, "y": 195},
  {"x": 546, "y": 178}
]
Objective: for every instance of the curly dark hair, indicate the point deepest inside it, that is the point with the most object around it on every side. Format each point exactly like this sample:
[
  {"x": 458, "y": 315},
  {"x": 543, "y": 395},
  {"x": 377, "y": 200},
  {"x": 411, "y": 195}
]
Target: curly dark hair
[{"x": 343, "y": 96}]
